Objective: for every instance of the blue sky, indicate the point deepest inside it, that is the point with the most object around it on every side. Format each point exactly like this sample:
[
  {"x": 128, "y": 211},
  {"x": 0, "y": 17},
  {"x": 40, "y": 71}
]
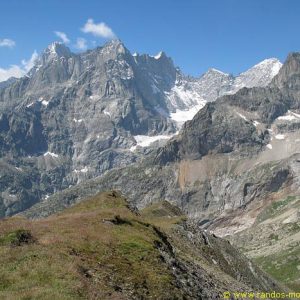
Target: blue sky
[{"x": 230, "y": 35}]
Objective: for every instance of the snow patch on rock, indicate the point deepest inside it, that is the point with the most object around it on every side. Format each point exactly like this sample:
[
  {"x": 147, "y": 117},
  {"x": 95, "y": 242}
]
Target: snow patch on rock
[
  {"x": 51, "y": 154},
  {"x": 242, "y": 116},
  {"x": 30, "y": 104},
  {"x": 77, "y": 120},
  {"x": 83, "y": 170},
  {"x": 181, "y": 116},
  {"x": 107, "y": 113},
  {"x": 279, "y": 136},
  {"x": 289, "y": 116},
  {"x": 146, "y": 141}
]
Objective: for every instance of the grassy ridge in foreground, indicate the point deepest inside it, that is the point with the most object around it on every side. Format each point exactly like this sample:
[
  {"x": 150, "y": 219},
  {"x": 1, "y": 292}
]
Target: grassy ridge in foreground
[
  {"x": 79, "y": 244},
  {"x": 103, "y": 249}
]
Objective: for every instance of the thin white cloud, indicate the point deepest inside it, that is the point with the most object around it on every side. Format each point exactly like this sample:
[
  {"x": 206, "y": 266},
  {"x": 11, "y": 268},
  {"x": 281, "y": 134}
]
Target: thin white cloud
[
  {"x": 7, "y": 43},
  {"x": 100, "y": 29},
  {"x": 81, "y": 44},
  {"x": 62, "y": 36},
  {"x": 12, "y": 71},
  {"x": 18, "y": 70},
  {"x": 28, "y": 64}
]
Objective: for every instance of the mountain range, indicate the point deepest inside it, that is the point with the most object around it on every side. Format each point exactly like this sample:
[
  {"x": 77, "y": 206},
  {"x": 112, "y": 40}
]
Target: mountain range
[
  {"x": 233, "y": 169},
  {"x": 75, "y": 116},
  {"x": 223, "y": 149}
]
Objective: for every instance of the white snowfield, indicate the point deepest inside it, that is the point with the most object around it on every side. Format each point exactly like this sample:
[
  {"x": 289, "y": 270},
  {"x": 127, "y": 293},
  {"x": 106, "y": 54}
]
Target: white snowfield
[
  {"x": 146, "y": 141},
  {"x": 180, "y": 95},
  {"x": 181, "y": 116},
  {"x": 259, "y": 75},
  {"x": 187, "y": 97}
]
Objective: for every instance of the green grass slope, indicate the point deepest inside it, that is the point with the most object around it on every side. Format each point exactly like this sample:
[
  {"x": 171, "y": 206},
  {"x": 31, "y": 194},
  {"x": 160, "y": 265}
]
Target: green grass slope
[{"x": 103, "y": 249}]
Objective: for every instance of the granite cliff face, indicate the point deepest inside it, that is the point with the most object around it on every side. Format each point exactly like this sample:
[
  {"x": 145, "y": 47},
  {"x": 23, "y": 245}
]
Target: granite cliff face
[{"x": 75, "y": 116}]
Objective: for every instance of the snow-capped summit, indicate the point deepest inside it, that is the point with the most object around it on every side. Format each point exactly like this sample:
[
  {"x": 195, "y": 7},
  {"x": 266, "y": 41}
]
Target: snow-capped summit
[
  {"x": 260, "y": 74},
  {"x": 216, "y": 71},
  {"x": 188, "y": 94}
]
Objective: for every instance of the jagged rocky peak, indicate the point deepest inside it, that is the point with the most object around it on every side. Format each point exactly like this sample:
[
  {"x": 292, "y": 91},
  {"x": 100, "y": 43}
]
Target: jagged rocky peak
[
  {"x": 160, "y": 55},
  {"x": 113, "y": 50},
  {"x": 159, "y": 70},
  {"x": 56, "y": 50},
  {"x": 213, "y": 78},
  {"x": 114, "y": 44}
]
